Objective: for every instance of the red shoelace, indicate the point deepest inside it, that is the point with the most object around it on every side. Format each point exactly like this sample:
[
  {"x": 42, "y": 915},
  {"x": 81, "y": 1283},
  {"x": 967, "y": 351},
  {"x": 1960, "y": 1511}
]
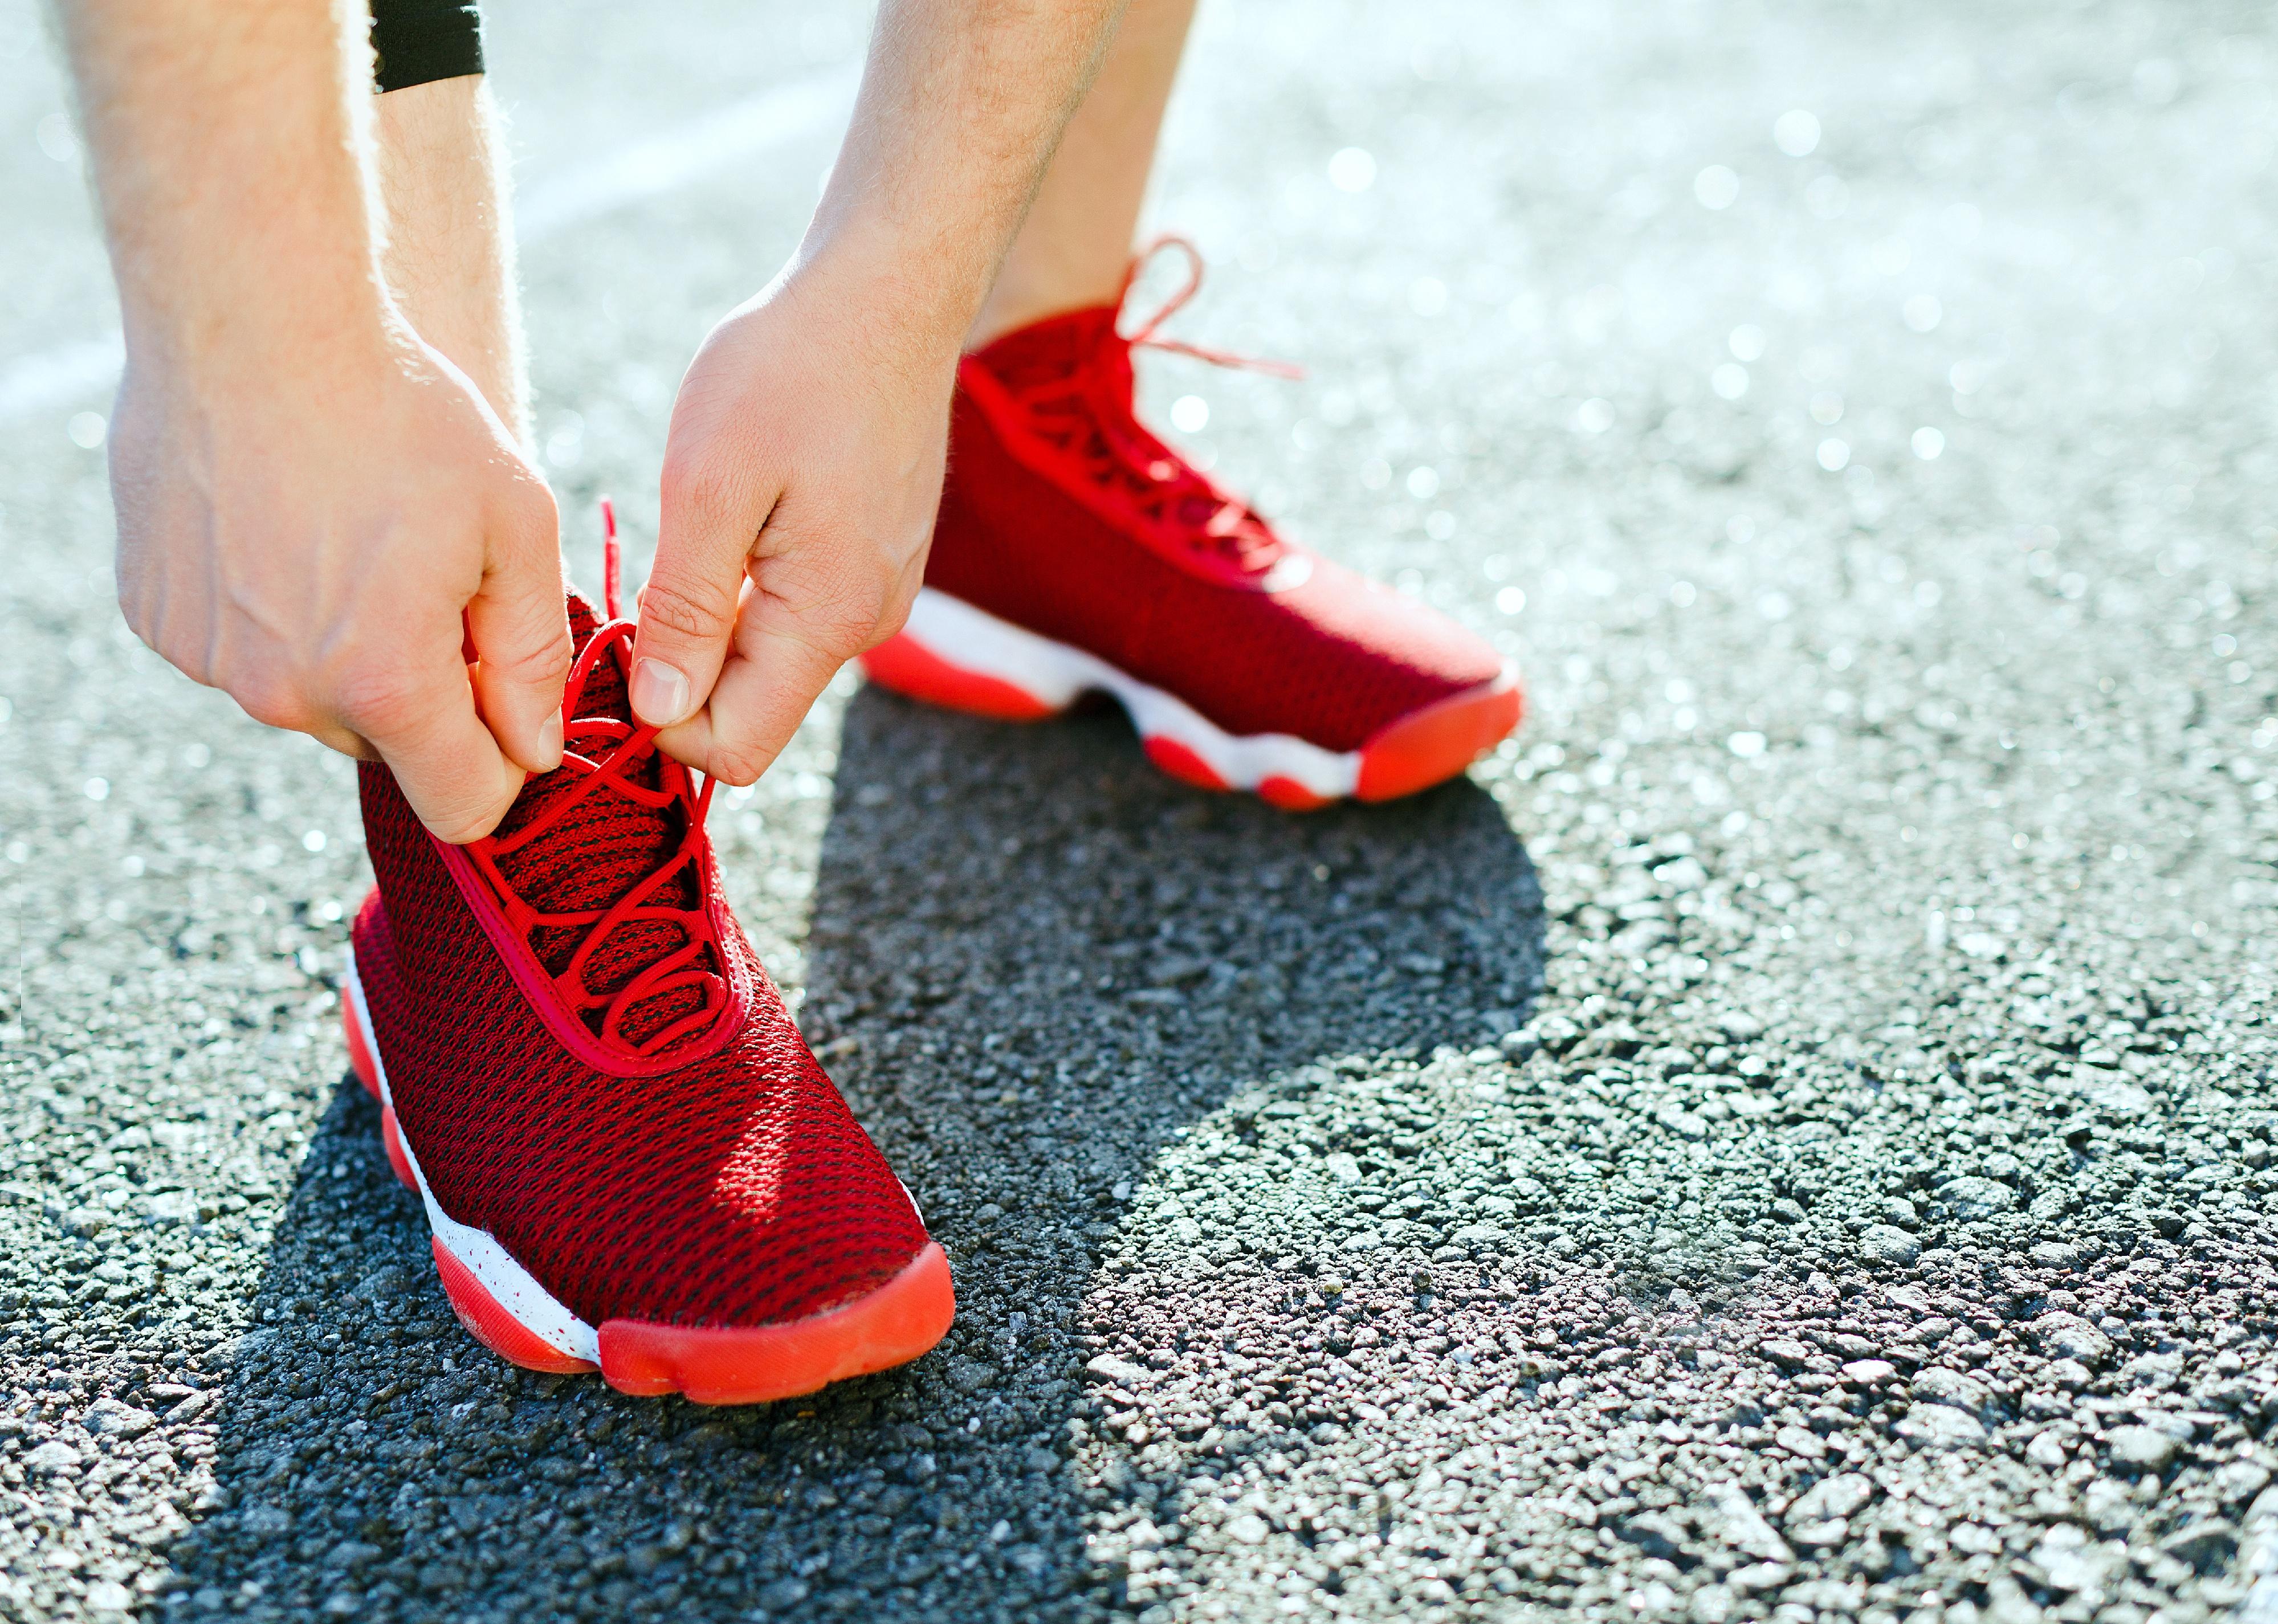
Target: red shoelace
[
  {"x": 1091, "y": 411},
  {"x": 606, "y": 754}
]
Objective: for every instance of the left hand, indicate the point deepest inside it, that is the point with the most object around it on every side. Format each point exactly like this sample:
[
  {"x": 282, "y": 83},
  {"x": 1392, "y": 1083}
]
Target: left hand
[{"x": 801, "y": 475}]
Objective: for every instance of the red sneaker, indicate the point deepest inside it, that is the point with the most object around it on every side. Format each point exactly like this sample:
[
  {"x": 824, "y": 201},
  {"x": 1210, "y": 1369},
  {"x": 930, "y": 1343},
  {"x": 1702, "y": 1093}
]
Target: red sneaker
[
  {"x": 1076, "y": 552},
  {"x": 629, "y": 1158}
]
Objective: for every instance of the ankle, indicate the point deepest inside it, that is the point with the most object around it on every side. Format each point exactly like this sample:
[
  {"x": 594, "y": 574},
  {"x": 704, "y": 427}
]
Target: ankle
[{"x": 1023, "y": 297}]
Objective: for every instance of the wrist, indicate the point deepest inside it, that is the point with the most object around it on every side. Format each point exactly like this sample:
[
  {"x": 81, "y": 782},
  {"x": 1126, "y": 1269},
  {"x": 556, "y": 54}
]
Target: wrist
[
  {"x": 225, "y": 317},
  {"x": 919, "y": 299}
]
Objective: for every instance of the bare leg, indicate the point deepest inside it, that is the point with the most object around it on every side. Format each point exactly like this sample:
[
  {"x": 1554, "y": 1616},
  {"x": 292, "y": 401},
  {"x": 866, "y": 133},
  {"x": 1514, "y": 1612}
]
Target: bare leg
[
  {"x": 450, "y": 240},
  {"x": 1076, "y": 244}
]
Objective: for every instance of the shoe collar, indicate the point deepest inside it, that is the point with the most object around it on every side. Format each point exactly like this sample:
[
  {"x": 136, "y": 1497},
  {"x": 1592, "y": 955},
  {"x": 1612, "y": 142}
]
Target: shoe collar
[{"x": 1067, "y": 378}]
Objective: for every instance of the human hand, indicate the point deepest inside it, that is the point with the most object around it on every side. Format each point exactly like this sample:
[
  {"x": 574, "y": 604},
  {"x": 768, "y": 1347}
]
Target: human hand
[
  {"x": 801, "y": 475},
  {"x": 305, "y": 529}
]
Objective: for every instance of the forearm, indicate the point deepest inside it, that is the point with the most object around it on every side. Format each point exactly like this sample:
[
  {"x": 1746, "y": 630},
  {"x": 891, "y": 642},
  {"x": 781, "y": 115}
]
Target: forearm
[
  {"x": 962, "y": 104},
  {"x": 228, "y": 151}
]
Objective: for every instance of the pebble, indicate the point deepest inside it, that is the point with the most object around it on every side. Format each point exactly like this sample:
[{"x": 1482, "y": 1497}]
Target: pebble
[
  {"x": 110, "y": 1418},
  {"x": 1838, "y": 1496},
  {"x": 2145, "y": 1449},
  {"x": 971, "y": 1376},
  {"x": 1736, "y": 1520},
  {"x": 1801, "y": 1441},
  {"x": 52, "y": 1458},
  {"x": 1939, "y": 1426},
  {"x": 1974, "y": 1198},
  {"x": 2111, "y": 1506},
  {"x": 2202, "y": 1545},
  {"x": 1937, "y": 1384},
  {"x": 1886, "y": 1243},
  {"x": 2069, "y": 1336}
]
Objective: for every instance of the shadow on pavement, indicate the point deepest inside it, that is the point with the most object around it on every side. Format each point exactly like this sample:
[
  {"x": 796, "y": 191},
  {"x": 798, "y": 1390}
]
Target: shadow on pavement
[{"x": 1032, "y": 963}]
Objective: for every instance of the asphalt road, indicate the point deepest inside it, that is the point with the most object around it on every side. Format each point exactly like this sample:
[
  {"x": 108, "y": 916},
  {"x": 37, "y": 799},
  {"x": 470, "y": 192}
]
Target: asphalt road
[{"x": 1789, "y": 1139}]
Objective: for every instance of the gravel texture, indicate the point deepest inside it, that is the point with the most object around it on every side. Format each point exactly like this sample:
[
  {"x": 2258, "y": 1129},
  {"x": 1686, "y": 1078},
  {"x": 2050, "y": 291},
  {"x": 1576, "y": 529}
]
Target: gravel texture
[{"x": 1789, "y": 1139}]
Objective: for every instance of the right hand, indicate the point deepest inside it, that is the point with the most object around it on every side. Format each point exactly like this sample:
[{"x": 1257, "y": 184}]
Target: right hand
[{"x": 306, "y": 533}]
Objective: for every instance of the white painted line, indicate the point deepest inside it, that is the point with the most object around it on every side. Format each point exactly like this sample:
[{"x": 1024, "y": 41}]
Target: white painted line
[
  {"x": 679, "y": 157},
  {"x": 648, "y": 168}
]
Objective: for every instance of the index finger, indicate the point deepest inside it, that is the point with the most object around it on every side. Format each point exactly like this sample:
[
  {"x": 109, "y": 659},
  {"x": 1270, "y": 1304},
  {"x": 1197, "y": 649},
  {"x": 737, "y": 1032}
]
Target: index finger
[
  {"x": 709, "y": 523},
  {"x": 421, "y": 721}
]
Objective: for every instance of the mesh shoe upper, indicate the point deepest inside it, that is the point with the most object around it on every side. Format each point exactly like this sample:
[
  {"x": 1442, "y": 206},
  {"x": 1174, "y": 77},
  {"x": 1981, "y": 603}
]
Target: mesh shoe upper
[
  {"x": 629, "y": 1111},
  {"x": 1063, "y": 515}
]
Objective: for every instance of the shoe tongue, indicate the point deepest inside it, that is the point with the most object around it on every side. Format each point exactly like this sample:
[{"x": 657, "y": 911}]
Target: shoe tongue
[
  {"x": 1057, "y": 349},
  {"x": 602, "y": 848}
]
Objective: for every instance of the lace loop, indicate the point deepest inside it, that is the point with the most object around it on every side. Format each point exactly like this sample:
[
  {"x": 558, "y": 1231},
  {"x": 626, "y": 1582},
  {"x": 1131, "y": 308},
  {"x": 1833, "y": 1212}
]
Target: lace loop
[{"x": 1146, "y": 337}]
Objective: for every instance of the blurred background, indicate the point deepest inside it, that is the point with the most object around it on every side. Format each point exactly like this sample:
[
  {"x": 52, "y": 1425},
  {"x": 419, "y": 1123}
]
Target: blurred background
[{"x": 1856, "y": 421}]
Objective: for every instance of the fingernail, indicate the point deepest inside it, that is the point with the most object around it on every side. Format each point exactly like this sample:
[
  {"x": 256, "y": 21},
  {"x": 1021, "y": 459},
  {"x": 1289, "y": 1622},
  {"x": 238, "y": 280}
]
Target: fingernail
[
  {"x": 660, "y": 693},
  {"x": 549, "y": 738}
]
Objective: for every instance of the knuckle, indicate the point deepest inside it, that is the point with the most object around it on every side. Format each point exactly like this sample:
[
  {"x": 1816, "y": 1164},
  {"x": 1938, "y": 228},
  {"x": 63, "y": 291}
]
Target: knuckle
[
  {"x": 539, "y": 510},
  {"x": 143, "y": 619},
  {"x": 895, "y": 615},
  {"x": 542, "y": 660},
  {"x": 855, "y": 620},
  {"x": 458, "y": 826},
  {"x": 837, "y": 611},
  {"x": 736, "y": 764},
  {"x": 533, "y": 528},
  {"x": 379, "y": 698},
  {"x": 699, "y": 616},
  {"x": 274, "y": 701},
  {"x": 862, "y": 599},
  {"x": 700, "y": 486},
  {"x": 144, "y": 611}
]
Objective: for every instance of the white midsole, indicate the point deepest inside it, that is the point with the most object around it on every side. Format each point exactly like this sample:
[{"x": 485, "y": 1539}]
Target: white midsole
[
  {"x": 1054, "y": 675},
  {"x": 510, "y": 1285}
]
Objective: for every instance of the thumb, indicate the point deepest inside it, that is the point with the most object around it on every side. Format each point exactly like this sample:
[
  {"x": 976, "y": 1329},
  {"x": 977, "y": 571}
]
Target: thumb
[
  {"x": 706, "y": 529},
  {"x": 520, "y": 629}
]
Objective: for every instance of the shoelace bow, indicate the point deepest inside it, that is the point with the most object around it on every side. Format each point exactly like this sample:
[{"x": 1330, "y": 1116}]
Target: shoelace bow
[
  {"x": 1170, "y": 492},
  {"x": 605, "y": 753}
]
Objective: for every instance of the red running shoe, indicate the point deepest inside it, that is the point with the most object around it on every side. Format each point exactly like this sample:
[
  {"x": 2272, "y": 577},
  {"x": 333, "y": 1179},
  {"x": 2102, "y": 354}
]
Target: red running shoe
[
  {"x": 629, "y": 1158},
  {"x": 1076, "y": 552}
]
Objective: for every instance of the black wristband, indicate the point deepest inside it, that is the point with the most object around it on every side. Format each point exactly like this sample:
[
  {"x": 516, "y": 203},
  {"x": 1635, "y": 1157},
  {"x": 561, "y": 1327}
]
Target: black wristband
[{"x": 414, "y": 41}]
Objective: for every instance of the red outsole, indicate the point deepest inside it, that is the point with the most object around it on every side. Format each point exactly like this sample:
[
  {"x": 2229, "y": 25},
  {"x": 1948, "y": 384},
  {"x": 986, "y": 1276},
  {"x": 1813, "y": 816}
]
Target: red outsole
[
  {"x": 367, "y": 1070},
  {"x": 493, "y": 1326},
  {"x": 1422, "y": 749},
  {"x": 889, "y": 1326},
  {"x": 1431, "y": 745},
  {"x": 1182, "y": 763},
  {"x": 391, "y": 1138},
  {"x": 360, "y": 1058},
  {"x": 1289, "y": 795},
  {"x": 908, "y": 667}
]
